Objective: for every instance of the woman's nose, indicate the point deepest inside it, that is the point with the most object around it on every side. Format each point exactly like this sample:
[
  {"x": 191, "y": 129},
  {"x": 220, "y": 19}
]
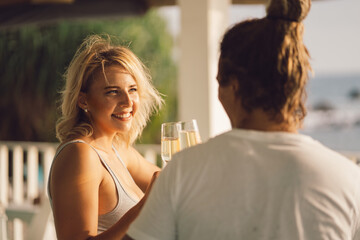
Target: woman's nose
[{"x": 125, "y": 100}]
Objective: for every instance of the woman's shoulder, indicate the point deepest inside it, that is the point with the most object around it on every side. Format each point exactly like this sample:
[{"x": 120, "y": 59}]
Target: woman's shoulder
[
  {"x": 76, "y": 164},
  {"x": 76, "y": 154},
  {"x": 75, "y": 147}
]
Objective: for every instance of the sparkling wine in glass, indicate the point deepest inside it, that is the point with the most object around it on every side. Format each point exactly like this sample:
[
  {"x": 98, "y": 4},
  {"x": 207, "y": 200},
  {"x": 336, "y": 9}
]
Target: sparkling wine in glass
[
  {"x": 188, "y": 134},
  {"x": 170, "y": 143}
]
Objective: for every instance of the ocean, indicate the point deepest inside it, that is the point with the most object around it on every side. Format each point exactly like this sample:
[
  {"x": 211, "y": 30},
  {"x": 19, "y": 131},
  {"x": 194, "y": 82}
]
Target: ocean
[{"x": 333, "y": 105}]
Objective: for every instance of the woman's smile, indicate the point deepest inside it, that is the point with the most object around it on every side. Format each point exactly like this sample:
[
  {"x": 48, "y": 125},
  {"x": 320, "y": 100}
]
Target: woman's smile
[{"x": 123, "y": 116}]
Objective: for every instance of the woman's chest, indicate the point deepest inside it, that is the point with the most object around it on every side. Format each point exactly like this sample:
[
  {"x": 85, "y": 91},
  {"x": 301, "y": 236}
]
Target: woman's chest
[{"x": 116, "y": 183}]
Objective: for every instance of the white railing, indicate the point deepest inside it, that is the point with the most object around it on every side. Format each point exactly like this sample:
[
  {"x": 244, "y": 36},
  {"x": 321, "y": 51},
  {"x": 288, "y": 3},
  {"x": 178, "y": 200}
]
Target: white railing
[
  {"x": 24, "y": 170},
  {"x": 19, "y": 170},
  {"x": 19, "y": 177}
]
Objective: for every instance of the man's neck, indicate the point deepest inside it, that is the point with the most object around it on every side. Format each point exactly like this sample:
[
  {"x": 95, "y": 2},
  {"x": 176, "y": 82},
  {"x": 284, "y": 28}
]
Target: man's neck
[{"x": 260, "y": 120}]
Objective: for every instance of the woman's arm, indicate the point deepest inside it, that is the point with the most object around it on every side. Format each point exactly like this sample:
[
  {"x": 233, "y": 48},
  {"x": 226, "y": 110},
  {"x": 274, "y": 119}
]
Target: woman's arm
[
  {"x": 74, "y": 188},
  {"x": 140, "y": 169}
]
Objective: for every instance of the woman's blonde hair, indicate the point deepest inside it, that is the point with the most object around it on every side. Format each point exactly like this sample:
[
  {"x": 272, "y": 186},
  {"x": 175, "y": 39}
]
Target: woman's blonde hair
[
  {"x": 269, "y": 59},
  {"x": 94, "y": 54}
]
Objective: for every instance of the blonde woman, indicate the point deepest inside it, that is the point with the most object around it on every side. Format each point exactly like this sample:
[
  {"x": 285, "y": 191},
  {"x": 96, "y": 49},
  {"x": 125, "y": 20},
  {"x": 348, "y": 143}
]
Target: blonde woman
[{"x": 97, "y": 178}]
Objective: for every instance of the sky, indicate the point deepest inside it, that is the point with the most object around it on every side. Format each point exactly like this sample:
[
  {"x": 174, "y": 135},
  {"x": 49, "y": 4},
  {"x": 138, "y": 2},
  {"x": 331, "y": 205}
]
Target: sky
[{"x": 332, "y": 32}]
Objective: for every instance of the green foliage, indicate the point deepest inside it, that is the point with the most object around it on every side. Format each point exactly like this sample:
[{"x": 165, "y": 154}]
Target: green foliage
[{"x": 33, "y": 59}]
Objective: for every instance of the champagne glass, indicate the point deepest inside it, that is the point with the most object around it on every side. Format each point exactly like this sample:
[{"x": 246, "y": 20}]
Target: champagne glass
[
  {"x": 170, "y": 143},
  {"x": 188, "y": 134}
]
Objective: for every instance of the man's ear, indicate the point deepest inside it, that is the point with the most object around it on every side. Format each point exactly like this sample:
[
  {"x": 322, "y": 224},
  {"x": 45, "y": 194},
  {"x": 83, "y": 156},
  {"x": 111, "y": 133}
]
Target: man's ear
[
  {"x": 82, "y": 102},
  {"x": 234, "y": 83}
]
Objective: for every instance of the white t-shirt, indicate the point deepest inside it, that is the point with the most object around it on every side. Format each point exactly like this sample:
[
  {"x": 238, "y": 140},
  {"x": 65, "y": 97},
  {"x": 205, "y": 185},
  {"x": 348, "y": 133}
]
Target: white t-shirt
[{"x": 254, "y": 185}]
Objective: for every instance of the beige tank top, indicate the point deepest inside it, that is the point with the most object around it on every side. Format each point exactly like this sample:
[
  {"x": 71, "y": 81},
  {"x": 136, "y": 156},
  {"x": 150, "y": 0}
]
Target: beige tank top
[{"x": 125, "y": 201}]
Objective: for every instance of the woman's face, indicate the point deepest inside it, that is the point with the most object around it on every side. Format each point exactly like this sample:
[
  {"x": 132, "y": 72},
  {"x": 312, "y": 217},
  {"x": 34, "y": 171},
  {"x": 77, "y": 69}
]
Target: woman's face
[{"x": 112, "y": 104}]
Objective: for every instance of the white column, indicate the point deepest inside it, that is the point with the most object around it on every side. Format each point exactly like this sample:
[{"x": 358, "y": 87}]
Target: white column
[{"x": 203, "y": 22}]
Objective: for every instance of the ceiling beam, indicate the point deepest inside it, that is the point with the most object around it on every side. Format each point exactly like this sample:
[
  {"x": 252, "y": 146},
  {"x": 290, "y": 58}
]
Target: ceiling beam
[
  {"x": 52, "y": 1},
  {"x": 161, "y": 3},
  {"x": 28, "y": 13}
]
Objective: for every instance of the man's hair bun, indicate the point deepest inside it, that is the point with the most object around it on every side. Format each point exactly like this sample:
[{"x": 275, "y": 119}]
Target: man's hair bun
[{"x": 288, "y": 10}]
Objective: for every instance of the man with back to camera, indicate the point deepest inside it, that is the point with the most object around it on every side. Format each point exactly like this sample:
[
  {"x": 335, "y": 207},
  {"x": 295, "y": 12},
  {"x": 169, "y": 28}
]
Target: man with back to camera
[{"x": 261, "y": 180}]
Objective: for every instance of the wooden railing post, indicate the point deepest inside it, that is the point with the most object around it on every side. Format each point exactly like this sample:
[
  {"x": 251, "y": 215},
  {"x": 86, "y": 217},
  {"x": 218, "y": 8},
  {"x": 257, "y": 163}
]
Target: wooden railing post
[
  {"x": 4, "y": 175},
  {"x": 18, "y": 188},
  {"x": 18, "y": 175},
  {"x": 32, "y": 173}
]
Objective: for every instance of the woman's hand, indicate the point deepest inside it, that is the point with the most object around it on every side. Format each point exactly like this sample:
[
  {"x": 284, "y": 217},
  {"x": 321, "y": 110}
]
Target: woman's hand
[
  {"x": 148, "y": 189},
  {"x": 137, "y": 208}
]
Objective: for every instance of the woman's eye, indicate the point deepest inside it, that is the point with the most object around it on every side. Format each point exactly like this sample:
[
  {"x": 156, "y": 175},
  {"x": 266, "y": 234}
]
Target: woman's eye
[
  {"x": 133, "y": 89},
  {"x": 112, "y": 92}
]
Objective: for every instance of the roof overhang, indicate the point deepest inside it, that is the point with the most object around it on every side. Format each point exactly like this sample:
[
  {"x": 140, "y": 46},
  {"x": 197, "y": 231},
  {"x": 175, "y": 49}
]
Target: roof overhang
[
  {"x": 17, "y": 12},
  {"x": 160, "y": 3}
]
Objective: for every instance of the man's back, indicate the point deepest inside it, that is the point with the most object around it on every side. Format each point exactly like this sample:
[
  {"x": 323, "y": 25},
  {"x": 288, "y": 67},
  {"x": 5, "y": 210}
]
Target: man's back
[{"x": 254, "y": 185}]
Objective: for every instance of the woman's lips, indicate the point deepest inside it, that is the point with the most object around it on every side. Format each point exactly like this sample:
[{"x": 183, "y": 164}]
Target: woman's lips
[{"x": 123, "y": 116}]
